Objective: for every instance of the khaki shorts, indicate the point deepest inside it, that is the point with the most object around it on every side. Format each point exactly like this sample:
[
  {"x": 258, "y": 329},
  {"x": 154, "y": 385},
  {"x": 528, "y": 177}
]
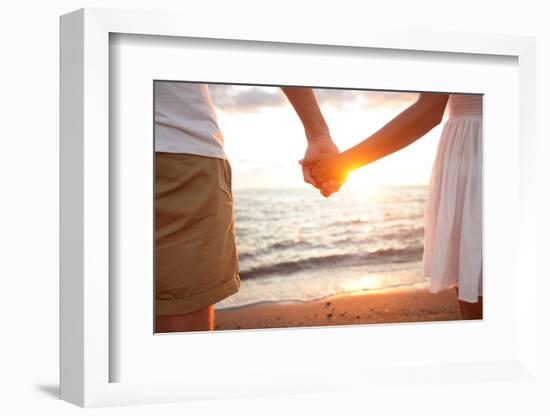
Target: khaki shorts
[{"x": 196, "y": 261}]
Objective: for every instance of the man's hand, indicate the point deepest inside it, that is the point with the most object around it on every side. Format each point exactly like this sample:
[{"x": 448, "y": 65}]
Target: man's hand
[
  {"x": 317, "y": 133},
  {"x": 316, "y": 150}
]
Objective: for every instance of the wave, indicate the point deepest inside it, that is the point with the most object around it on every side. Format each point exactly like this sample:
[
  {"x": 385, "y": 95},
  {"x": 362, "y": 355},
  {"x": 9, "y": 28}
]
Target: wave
[
  {"x": 348, "y": 222},
  {"x": 376, "y": 257},
  {"x": 399, "y": 235},
  {"x": 281, "y": 246},
  {"x": 408, "y": 233},
  {"x": 376, "y": 220}
]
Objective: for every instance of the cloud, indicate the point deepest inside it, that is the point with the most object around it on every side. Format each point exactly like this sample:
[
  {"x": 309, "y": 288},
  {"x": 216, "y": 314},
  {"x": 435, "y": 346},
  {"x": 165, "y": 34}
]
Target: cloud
[
  {"x": 237, "y": 98},
  {"x": 366, "y": 99},
  {"x": 242, "y": 98},
  {"x": 391, "y": 100},
  {"x": 337, "y": 98}
]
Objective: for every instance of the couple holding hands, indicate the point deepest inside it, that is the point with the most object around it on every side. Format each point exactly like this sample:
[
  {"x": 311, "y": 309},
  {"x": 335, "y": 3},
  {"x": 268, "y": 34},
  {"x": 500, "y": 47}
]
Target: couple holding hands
[{"x": 196, "y": 260}]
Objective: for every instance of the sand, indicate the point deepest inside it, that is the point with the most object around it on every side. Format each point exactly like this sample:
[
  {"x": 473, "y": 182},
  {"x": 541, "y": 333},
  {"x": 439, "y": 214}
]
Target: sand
[{"x": 386, "y": 306}]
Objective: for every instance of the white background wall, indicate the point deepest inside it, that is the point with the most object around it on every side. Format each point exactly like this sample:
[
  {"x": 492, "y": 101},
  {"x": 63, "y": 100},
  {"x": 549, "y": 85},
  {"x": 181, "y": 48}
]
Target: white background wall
[{"x": 29, "y": 57}]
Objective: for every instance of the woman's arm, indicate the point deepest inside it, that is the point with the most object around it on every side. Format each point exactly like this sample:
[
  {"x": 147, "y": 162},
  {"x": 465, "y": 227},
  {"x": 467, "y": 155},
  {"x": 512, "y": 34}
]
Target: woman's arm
[{"x": 406, "y": 128}]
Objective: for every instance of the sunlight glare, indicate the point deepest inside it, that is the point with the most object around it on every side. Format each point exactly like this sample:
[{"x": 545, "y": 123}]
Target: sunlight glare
[
  {"x": 362, "y": 183},
  {"x": 367, "y": 282}
]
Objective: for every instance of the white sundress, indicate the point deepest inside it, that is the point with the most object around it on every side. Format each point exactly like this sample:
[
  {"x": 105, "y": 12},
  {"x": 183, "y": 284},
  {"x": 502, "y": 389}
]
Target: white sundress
[{"x": 452, "y": 240}]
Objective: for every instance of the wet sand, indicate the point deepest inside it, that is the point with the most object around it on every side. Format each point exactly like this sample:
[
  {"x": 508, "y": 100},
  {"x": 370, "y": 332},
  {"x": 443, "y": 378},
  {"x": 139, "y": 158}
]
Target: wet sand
[{"x": 386, "y": 306}]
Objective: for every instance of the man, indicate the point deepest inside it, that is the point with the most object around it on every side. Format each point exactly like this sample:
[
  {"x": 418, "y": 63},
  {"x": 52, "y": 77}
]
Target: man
[{"x": 196, "y": 260}]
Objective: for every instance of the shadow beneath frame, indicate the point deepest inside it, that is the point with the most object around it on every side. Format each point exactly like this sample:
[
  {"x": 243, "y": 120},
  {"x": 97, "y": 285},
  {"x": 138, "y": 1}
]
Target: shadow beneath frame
[{"x": 51, "y": 390}]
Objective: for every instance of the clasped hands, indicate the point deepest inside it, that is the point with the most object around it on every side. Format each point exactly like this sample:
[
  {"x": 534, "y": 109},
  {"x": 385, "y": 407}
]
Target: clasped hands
[{"x": 322, "y": 166}]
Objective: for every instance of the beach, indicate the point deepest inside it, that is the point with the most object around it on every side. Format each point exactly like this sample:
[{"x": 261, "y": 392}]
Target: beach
[
  {"x": 366, "y": 307},
  {"x": 295, "y": 247},
  {"x": 307, "y": 262}
]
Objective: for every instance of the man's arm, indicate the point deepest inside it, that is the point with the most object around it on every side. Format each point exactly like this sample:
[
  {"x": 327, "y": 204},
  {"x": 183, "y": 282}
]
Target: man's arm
[
  {"x": 305, "y": 104},
  {"x": 316, "y": 130}
]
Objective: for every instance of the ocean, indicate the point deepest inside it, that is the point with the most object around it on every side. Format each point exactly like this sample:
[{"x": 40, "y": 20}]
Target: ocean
[{"x": 297, "y": 246}]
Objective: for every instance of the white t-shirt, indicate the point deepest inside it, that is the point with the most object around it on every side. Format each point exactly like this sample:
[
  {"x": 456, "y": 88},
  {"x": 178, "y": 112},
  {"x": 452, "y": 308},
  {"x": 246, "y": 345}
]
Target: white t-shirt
[{"x": 185, "y": 120}]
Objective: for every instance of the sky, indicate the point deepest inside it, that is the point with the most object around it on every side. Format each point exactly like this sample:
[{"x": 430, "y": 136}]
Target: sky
[{"x": 264, "y": 138}]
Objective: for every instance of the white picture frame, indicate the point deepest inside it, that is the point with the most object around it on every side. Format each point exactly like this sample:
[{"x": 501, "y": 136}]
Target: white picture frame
[{"x": 85, "y": 346}]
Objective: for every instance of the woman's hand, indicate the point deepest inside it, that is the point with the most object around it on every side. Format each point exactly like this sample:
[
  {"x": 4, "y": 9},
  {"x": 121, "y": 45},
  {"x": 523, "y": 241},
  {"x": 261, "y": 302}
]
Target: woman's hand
[
  {"x": 330, "y": 170},
  {"x": 317, "y": 149}
]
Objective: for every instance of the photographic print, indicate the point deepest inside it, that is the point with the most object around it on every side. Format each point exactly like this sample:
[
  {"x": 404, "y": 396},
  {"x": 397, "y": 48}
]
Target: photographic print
[
  {"x": 315, "y": 197},
  {"x": 283, "y": 207}
]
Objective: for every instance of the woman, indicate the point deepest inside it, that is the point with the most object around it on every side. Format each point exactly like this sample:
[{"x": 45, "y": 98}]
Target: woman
[{"x": 453, "y": 244}]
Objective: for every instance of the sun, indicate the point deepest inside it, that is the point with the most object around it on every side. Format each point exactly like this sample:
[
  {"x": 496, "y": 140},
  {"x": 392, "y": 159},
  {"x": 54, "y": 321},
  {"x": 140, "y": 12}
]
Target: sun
[{"x": 362, "y": 183}]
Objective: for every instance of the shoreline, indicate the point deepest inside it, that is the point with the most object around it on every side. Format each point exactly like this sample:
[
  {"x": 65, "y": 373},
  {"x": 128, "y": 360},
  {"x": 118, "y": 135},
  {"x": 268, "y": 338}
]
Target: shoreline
[
  {"x": 393, "y": 305},
  {"x": 418, "y": 286}
]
